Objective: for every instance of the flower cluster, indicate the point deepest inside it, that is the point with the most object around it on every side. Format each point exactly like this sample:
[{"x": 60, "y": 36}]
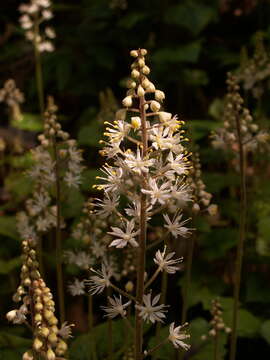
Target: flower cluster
[
  {"x": 217, "y": 322},
  {"x": 248, "y": 132},
  {"x": 202, "y": 198},
  {"x": 55, "y": 159},
  {"x": 33, "y": 15},
  {"x": 147, "y": 170},
  {"x": 38, "y": 307},
  {"x": 13, "y": 97},
  {"x": 254, "y": 71}
]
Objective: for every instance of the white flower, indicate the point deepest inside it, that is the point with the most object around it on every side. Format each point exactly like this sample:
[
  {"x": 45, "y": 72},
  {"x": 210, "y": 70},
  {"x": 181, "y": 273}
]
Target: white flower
[
  {"x": 107, "y": 205},
  {"x": 81, "y": 259},
  {"x": 176, "y": 227},
  {"x": 76, "y": 288},
  {"x": 72, "y": 179},
  {"x": 166, "y": 263},
  {"x": 178, "y": 165},
  {"x": 181, "y": 192},
  {"x": 116, "y": 307},
  {"x": 113, "y": 178},
  {"x": 17, "y": 316},
  {"x": 98, "y": 249},
  {"x": 100, "y": 281},
  {"x": 137, "y": 164},
  {"x": 65, "y": 330},
  {"x": 118, "y": 130},
  {"x": 150, "y": 312},
  {"x": 158, "y": 194},
  {"x": 134, "y": 210},
  {"x": 124, "y": 237},
  {"x": 176, "y": 336}
]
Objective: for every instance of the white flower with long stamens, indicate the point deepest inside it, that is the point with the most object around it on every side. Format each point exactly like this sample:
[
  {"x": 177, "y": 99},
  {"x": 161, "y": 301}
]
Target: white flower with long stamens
[
  {"x": 100, "y": 281},
  {"x": 165, "y": 262},
  {"x": 117, "y": 131},
  {"x": 137, "y": 164},
  {"x": 76, "y": 288},
  {"x": 113, "y": 178},
  {"x": 181, "y": 192},
  {"x": 124, "y": 237},
  {"x": 135, "y": 210},
  {"x": 178, "y": 165},
  {"x": 177, "y": 335},
  {"x": 116, "y": 307},
  {"x": 158, "y": 194},
  {"x": 176, "y": 227},
  {"x": 108, "y": 205},
  {"x": 150, "y": 311}
]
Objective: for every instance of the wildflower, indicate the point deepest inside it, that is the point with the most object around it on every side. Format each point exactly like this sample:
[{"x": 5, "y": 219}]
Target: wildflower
[
  {"x": 76, "y": 288},
  {"x": 150, "y": 311},
  {"x": 177, "y": 336},
  {"x": 137, "y": 164},
  {"x": 176, "y": 227},
  {"x": 166, "y": 263},
  {"x": 65, "y": 330},
  {"x": 158, "y": 194},
  {"x": 100, "y": 281},
  {"x": 124, "y": 238},
  {"x": 178, "y": 165},
  {"x": 116, "y": 307},
  {"x": 108, "y": 205}
]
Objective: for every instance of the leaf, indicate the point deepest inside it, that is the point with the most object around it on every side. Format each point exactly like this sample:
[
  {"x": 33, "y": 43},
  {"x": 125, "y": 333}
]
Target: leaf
[
  {"x": 130, "y": 20},
  {"x": 31, "y": 122},
  {"x": 217, "y": 242},
  {"x": 256, "y": 291},
  {"x": 8, "y": 226},
  {"x": 18, "y": 185},
  {"x": 186, "y": 53},
  {"x": 265, "y": 330},
  {"x": 192, "y": 15},
  {"x": 73, "y": 203},
  {"x": 166, "y": 351},
  {"x": 248, "y": 324},
  {"x": 7, "y": 266},
  {"x": 13, "y": 341}
]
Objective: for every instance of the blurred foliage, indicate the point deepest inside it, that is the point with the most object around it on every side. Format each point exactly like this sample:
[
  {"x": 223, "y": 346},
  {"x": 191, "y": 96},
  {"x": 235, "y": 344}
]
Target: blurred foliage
[{"x": 192, "y": 44}]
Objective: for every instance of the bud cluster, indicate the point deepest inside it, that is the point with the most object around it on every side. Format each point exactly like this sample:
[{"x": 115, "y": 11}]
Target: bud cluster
[
  {"x": 217, "y": 322},
  {"x": 201, "y": 198},
  {"x": 33, "y": 15},
  {"x": 39, "y": 306},
  {"x": 248, "y": 133},
  {"x": 13, "y": 97}
]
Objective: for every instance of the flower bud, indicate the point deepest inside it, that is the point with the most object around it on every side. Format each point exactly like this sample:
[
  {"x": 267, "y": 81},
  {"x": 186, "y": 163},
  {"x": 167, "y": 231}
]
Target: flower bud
[
  {"x": 52, "y": 338},
  {"x": 164, "y": 116},
  {"x": 38, "y": 306},
  {"x": 146, "y": 70},
  {"x": 155, "y": 106},
  {"x": 129, "y": 286},
  {"x": 37, "y": 345},
  {"x": 38, "y": 318},
  {"x": 50, "y": 354},
  {"x": 141, "y": 62},
  {"x": 145, "y": 83},
  {"x": 143, "y": 52},
  {"x": 44, "y": 331},
  {"x": 61, "y": 347},
  {"x": 140, "y": 91},
  {"x": 159, "y": 95},
  {"x": 151, "y": 87},
  {"x": 136, "y": 122},
  {"x": 127, "y": 101},
  {"x": 11, "y": 315},
  {"x": 134, "y": 53},
  {"x": 28, "y": 355},
  {"x": 135, "y": 73}
]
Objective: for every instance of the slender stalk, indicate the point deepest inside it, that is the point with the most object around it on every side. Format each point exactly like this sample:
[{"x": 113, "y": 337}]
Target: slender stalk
[
  {"x": 216, "y": 347},
  {"x": 59, "y": 270},
  {"x": 110, "y": 333},
  {"x": 156, "y": 347},
  {"x": 240, "y": 245},
  {"x": 90, "y": 326},
  {"x": 187, "y": 281},
  {"x": 153, "y": 278},
  {"x": 164, "y": 285},
  {"x": 122, "y": 292},
  {"x": 38, "y": 69},
  {"x": 142, "y": 242}
]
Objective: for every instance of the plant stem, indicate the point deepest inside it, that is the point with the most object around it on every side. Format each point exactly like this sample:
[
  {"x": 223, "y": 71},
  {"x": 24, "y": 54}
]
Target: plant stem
[
  {"x": 110, "y": 335},
  {"x": 59, "y": 270},
  {"x": 216, "y": 347},
  {"x": 154, "y": 276},
  {"x": 240, "y": 245},
  {"x": 38, "y": 68},
  {"x": 142, "y": 243},
  {"x": 156, "y": 347},
  {"x": 190, "y": 249},
  {"x": 90, "y": 326},
  {"x": 122, "y": 292},
  {"x": 164, "y": 285}
]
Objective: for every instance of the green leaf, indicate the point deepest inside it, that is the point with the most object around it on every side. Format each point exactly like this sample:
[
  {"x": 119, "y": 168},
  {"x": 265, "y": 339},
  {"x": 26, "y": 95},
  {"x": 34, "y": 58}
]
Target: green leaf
[
  {"x": 256, "y": 291},
  {"x": 13, "y": 341},
  {"x": 18, "y": 185},
  {"x": 192, "y": 15},
  {"x": 31, "y": 122},
  {"x": 7, "y": 266},
  {"x": 8, "y": 226},
  {"x": 186, "y": 53},
  {"x": 130, "y": 20},
  {"x": 217, "y": 242},
  {"x": 166, "y": 351},
  {"x": 265, "y": 330}
]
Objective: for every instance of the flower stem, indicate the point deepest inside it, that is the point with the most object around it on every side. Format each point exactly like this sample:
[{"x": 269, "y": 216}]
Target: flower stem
[
  {"x": 122, "y": 292},
  {"x": 156, "y": 347},
  {"x": 164, "y": 285},
  {"x": 240, "y": 245},
  {"x": 142, "y": 242},
  {"x": 90, "y": 326},
  {"x": 38, "y": 68},
  {"x": 154, "y": 276},
  {"x": 59, "y": 270},
  {"x": 216, "y": 347},
  {"x": 110, "y": 333}
]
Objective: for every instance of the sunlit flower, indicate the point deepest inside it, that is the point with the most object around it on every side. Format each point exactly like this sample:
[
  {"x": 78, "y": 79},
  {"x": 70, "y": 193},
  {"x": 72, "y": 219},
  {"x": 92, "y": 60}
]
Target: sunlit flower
[
  {"x": 158, "y": 194},
  {"x": 177, "y": 335},
  {"x": 76, "y": 288},
  {"x": 150, "y": 311},
  {"x": 176, "y": 227},
  {"x": 100, "y": 281},
  {"x": 116, "y": 307},
  {"x": 165, "y": 262},
  {"x": 124, "y": 237}
]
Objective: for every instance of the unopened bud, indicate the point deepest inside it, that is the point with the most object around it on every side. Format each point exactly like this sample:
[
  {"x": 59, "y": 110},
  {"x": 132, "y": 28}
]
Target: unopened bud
[
  {"x": 50, "y": 354},
  {"x": 159, "y": 95},
  {"x": 155, "y": 106},
  {"x": 136, "y": 122},
  {"x": 37, "y": 345},
  {"x": 127, "y": 101},
  {"x": 134, "y": 53},
  {"x": 140, "y": 91}
]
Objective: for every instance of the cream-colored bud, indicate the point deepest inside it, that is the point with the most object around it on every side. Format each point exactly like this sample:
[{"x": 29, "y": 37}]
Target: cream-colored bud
[
  {"x": 11, "y": 315},
  {"x": 52, "y": 338},
  {"x": 61, "y": 347},
  {"x": 212, "y": 209},
  {"x": 146, "y": 70},
  {"x": 38, "y": 306},
  {"x": 37, "y": 345},
  {"x": 134, "y": 53},
  {"x": 196, "y": 208},
  {"x": 45, "y": 143},
  {"x": 135, "y": 73},
  {"x": 155, "y": 106},
  {"x": 28, "y": 355},
  {"x": 151, "y": 87},
  {"x": 44, "y": 331},
  {"x": 254, "y": 127},
  {"x": 140, "y": 91},
  {"x": 164, "y": 116},
  {"x": 50, "y": 354},
  {"x": 145, "y": 83},
  {"x": 53, "y": 321},
  {"x": 27, "y": 282},
  {"x": 141, "y": 62},
  {"x": 136, "y": 122},
  {"x": 159, "y": 95},
  {"x": 146, "y": 106},
  {"x": 38, "y": 318},
  {"x": 143, "y": 52},
  {"x": 127, "y": 101}
]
